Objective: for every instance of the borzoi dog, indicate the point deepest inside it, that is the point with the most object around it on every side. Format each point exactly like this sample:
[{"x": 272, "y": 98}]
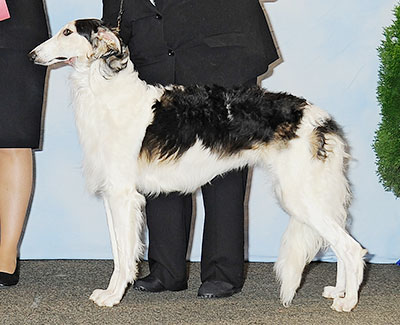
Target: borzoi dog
[{"x": 141, "y": 140}]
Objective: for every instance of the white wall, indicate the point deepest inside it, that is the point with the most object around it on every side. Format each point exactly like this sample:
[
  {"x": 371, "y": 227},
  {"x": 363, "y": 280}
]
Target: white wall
[{"x": 329, "y": 57}]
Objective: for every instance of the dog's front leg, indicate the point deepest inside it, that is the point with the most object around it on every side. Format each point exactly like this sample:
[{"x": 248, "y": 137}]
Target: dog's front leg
[
  {"x": 113, "y": 281},
  {"x": 124, "y": 214}
]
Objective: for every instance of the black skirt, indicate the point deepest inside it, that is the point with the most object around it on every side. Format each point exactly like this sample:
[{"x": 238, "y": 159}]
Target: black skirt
[{"x": 21, "y": 82}]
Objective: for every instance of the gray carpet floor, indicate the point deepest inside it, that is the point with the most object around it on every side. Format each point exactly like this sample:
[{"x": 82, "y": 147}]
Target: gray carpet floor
[{"x": 57, "y": 291}]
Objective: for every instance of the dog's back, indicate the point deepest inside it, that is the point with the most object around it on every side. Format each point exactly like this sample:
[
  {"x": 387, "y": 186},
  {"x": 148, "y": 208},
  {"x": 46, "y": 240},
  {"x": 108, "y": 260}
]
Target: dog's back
[{"x": 226, "y": 121}]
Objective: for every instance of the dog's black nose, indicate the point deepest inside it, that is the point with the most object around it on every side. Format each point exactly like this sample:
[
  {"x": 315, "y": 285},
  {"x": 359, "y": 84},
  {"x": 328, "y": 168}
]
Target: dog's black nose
[{"x": 32, "y": 56}]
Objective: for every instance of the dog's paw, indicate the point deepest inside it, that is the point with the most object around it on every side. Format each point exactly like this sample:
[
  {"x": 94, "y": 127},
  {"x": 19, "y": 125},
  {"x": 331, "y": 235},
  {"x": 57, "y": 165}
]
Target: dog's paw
[
  {"x": 105, "y": 298},
  {"x": 287, "y": 301},
  {"x": 345, "y": 304},
  {"x": 332, "y": 292}
]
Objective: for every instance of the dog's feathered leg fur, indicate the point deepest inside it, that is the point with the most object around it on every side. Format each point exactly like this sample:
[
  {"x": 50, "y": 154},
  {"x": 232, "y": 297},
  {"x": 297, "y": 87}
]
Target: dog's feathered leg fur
[{"x": 299, "y": 245}]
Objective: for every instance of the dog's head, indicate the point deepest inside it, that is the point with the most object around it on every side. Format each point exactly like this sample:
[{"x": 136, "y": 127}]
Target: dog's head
[{"x": 82, "y": 42}]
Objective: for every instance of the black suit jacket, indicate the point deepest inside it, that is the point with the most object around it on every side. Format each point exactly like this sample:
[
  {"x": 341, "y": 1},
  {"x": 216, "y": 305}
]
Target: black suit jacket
[{"x": 224, "y": 42}]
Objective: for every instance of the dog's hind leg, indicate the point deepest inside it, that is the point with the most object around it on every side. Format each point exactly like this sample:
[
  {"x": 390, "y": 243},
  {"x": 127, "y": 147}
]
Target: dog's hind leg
[
  {"x": 125, "y": 209},
  {"x": 327, "y": 205},
  {"x": 320, "y": 217},
  {"x": 314, "y": 189},
  {"x": 299, "y": 245},
  {"x": 339, "y": 290},
  {"x": 350, "y": 261},
  {"x": 350, "y": 258}
]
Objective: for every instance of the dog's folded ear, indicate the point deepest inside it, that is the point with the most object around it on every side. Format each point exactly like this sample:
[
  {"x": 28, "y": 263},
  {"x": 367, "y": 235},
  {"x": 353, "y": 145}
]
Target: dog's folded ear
[
  {"x": 108, "y": 46},
  {"x": 105, "y": 42}
]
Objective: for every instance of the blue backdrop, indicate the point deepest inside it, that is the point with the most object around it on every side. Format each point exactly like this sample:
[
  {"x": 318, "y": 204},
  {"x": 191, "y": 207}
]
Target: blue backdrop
[{"x": 329, "y": 56}]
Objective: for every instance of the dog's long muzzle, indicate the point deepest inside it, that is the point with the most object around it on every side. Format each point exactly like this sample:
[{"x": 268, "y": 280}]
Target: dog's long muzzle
[{"x": 33, "y": 56}]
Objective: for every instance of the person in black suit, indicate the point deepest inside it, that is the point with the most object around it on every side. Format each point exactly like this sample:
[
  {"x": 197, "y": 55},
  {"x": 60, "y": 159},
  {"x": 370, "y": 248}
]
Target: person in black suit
[
  {"x": 186, "y": 42},
  {"x": 21, "y": 93}
]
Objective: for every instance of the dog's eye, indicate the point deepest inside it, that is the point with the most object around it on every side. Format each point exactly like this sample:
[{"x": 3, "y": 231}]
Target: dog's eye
[{"x": 67, "y": 32}]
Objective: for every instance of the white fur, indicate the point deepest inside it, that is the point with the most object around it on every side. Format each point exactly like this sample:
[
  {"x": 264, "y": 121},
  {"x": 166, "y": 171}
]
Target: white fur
[{"x": 112, "y": 115}]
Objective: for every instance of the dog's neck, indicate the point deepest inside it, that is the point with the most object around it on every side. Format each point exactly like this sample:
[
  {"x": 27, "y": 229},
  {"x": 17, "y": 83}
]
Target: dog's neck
[{"x": 89, "y": 79}]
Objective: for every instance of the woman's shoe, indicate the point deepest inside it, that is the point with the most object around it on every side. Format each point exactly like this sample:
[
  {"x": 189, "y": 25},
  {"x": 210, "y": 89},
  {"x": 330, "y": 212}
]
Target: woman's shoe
[
  {"x": 7, "y": 279},
  {"x": 149, "y": 284},
  {"x": 152, "y": 284},
  {"x": 217, "y": 289}
]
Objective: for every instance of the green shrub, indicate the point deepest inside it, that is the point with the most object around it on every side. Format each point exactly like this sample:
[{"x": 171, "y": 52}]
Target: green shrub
[{"x": 387, "y": 138}]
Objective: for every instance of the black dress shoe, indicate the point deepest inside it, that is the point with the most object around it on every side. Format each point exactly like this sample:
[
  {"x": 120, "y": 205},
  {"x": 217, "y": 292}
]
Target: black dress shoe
[
  {"x": 217, "y": 289},
  {"x": 7, "y": 280},
  {"x": 149, "y": 284}
]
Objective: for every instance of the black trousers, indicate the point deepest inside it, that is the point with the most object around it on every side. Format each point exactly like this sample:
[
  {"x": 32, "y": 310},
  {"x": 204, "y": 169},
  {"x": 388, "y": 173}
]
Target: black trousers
[{"x": 169, "y": 219}]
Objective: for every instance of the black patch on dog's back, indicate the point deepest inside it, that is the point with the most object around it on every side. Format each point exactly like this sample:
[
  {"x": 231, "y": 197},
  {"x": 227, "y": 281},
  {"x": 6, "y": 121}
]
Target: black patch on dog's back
[{"x": 226, "y": 121}]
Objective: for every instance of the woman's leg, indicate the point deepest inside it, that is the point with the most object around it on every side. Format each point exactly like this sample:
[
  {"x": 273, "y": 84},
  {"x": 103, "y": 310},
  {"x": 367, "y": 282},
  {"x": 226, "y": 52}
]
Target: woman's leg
[{"x": 16, "y": 174}]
